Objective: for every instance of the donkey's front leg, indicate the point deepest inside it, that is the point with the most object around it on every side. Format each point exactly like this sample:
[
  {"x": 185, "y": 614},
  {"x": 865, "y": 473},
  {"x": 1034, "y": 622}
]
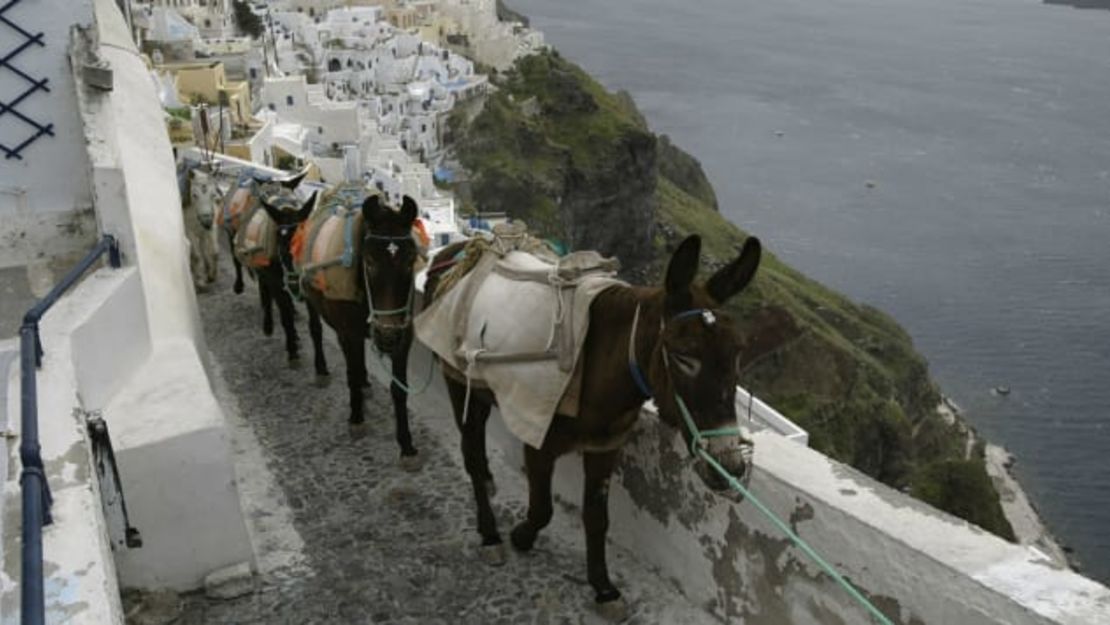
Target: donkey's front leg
[
  {"x": 238, "y": 286},
  {"x": 398, "y": 389},
  {"x": 266, "y": 301},
  {"x": 539, "y": 465},
  {"x": 595, "y": 515},
  {"x": 316, "y": 331},
  {"x": 285, "y": 310},
  {"x": 354, "y": 353},
  {"x": 473, "y": 432}
]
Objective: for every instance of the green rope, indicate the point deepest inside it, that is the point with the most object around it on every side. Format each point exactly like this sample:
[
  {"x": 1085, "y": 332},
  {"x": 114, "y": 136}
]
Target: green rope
[{"x": 783, "y": 527}]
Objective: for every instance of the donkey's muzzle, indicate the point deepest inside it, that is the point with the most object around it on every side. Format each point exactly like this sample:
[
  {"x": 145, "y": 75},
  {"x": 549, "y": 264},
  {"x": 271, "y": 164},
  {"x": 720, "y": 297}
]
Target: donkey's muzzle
[
  {"x": 387, "y": 336},
  {"x": 733, "y": 454}
]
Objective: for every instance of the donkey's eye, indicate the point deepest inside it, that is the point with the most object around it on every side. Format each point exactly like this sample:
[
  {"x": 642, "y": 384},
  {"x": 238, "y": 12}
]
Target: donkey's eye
[{"x": 688, "y": 366}]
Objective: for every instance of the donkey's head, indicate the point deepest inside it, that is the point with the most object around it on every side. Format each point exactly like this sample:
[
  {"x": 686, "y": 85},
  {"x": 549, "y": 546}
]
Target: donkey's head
[
  {"x": 696, "y": 366},
  {"x": 288, "y": 214},
  {"x": 276, "y": 185},
  {"x": 205, "y": 196},
  {"x": 389, "y": 255}
]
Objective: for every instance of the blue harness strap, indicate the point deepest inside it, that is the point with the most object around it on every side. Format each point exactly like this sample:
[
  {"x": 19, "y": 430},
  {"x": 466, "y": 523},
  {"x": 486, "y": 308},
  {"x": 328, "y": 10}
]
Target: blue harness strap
[
  {"x": 634, "y": 367},
  {"x": 349, "y": 239}
]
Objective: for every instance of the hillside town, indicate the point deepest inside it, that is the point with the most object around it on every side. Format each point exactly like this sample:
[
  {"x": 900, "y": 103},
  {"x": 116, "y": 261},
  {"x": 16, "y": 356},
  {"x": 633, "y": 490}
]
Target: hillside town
[{"x": 356, "y": 90}]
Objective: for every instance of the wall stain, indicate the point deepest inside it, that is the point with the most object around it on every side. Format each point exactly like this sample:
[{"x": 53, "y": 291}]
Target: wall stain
[
  {"x": 760, "y": 578},
  {"x": 802, "y": 512}
]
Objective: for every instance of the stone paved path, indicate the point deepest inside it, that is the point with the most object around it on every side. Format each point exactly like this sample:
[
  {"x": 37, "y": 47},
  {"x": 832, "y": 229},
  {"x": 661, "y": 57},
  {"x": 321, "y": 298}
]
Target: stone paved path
[{"x": 345, "y": 536}]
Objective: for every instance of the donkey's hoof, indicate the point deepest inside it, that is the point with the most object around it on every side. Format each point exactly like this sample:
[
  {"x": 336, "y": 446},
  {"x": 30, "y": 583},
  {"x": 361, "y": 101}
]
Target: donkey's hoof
[
  {"x": 493, "y": 555},
  {"x": 491, "y": 488},
  {"x": 411, "y": 463},
  {"x": 522, "y": 538},
  {"x": 267, "y": 329},
  {"x": 294, "y": 362},
  {"x": 322, "y": 380},
  {"x": 358, "y": 430},
  {"x": 237, "y": 288},
  {"x": 614, "y": 611}
]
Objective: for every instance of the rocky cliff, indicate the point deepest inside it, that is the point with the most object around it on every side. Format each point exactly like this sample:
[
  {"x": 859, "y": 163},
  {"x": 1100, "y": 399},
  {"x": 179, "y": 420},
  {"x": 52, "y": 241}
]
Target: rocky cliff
[{"x": 553, "y": 147}]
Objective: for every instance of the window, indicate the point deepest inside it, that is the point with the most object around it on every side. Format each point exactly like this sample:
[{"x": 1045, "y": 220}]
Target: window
[
  {"x": 320, "y": 130},
  {"x": 289, "y": 100},
  {"x": 271, "y": 106},
  {"x": 254, "y": 73}
]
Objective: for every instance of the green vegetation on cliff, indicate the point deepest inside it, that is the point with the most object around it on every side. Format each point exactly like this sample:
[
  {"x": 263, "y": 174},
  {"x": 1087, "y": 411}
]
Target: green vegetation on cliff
[{"x": 553, "y": 147}]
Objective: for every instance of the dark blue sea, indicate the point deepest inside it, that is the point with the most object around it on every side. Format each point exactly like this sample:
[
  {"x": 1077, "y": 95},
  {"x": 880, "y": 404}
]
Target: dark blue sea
[{"x": 945, "y": 160}]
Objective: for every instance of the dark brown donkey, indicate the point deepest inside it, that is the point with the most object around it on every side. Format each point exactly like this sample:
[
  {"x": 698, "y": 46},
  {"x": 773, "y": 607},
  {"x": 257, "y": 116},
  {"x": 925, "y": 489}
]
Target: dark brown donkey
[
  {"x": 278, "y": 281},
  {"x": 682, "y": 345},
  {"x": 389, "y": 254}
]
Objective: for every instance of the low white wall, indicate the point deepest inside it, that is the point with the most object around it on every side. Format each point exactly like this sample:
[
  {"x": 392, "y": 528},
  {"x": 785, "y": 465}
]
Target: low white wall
[
  {"x": 134, "y": 176},
  {"x": 915, "y": 563},
  {"x": 174, "y": 456}
]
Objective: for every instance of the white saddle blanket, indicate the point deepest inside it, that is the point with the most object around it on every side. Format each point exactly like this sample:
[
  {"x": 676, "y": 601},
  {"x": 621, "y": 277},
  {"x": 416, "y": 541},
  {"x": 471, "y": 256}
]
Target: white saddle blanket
[{"x": 508, "y": 326}]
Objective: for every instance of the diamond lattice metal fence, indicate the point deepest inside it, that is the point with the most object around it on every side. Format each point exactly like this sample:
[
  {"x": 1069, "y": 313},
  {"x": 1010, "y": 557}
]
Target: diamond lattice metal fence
[{"x": 32, "y": 86}]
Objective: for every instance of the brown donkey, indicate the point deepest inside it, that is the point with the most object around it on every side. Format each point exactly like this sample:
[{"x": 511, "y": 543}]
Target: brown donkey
[
  {"x": 388, "y": 258},
  {"x": 670, "y": 342}
]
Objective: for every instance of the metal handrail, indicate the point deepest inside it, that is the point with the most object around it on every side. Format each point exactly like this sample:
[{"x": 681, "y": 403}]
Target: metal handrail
[{"x": 32, "y": 479}]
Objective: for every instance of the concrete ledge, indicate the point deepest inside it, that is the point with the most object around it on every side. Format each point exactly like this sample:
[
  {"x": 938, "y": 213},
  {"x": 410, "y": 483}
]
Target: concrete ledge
[
  {"x": 112, "y": 341},
  {"x": 174, "y": 456},
  {"x": 915, "y": 563}
]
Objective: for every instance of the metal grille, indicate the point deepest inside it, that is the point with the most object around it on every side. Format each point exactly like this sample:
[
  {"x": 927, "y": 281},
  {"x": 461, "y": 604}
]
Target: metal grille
[{"x": 32, "y": 85}]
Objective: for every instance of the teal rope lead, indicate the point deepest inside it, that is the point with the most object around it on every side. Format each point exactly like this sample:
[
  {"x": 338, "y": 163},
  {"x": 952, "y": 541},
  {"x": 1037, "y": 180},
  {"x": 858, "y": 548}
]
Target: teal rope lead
[
  {"x": 783, "y": 527},
  {"x": 409, "y": 390}
]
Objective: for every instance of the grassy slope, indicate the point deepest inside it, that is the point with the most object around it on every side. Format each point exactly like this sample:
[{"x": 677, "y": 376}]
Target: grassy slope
[{"x": 844, "y": 371}]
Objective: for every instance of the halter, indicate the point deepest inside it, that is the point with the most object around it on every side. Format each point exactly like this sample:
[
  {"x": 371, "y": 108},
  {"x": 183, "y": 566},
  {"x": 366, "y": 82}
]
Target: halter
[
  {"x": 405, "y": 310},
  {"x": 291, "y": 281},
  {"x": 697, "y": 436}
]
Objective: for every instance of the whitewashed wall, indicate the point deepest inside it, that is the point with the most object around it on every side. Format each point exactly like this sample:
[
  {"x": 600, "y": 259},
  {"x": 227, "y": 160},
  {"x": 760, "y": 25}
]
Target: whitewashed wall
[{"x": 45, "y": 203}]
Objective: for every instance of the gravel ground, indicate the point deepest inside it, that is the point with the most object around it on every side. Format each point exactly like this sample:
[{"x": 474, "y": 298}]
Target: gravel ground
[{"x": 343, "y": 535}]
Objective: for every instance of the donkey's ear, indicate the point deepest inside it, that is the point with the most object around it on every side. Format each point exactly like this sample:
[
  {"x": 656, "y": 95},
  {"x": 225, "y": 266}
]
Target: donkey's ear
[
  {"x": 272, "y": 211},
  {"x": 291, "y": 183},
  {"x": 409, "y": 210},
  {"x": 733, "y": 277},
  {"x": 683, "y": 266},
  {"x": 372, "y": 209},
  {"x": 306, "y": 210}
]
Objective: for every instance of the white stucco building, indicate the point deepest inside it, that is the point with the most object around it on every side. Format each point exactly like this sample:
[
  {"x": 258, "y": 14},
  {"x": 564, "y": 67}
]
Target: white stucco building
[{"x": 329, "y": 124}]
